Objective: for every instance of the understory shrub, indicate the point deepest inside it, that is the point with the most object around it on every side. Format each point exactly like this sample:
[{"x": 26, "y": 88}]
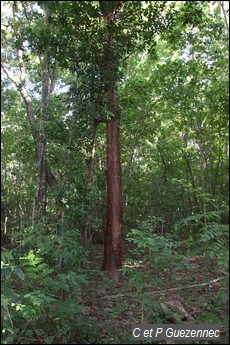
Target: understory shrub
[{"x": 41, "y": 285}]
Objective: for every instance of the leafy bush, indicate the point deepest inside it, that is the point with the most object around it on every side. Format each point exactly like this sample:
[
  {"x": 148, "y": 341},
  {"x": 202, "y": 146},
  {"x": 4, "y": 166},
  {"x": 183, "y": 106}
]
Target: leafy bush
[
  {"x": 211, "y": 237},
  {"x": 37, "y": 290},
  {"x": 153, "y": 248},
  {"x": 214, "y": 238},
  {"x": 151, "y": 251}
]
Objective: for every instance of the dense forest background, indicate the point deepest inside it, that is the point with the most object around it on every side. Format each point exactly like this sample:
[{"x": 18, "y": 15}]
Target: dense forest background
[{"x": 74, "y": 75}]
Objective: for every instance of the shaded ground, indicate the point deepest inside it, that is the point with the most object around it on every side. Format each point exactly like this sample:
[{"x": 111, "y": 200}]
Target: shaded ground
[{"x": 111, "y": 309}]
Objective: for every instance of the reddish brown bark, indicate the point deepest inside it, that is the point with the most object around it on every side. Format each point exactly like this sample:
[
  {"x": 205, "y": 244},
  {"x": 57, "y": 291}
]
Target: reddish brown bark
[
  {"x": 113, "y": 244},
  {"x": 113, "y": 247}
]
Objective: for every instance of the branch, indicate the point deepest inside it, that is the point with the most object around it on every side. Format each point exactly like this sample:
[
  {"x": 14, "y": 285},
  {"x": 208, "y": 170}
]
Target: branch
[
  {"x": 21, "y": 88},
  {"x": 189, "y": 286},
  {"x": 173, "y": 289},
  {"x": 10, "y": 74}
]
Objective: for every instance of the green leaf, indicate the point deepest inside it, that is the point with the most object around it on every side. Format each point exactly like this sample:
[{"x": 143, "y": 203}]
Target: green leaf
[{"x": 19, "y": 273}]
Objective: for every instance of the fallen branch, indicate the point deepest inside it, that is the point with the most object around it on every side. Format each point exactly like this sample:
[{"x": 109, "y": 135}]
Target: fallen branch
[
  {"x": 189, "y": 286},
  {"x": 176, "y": 312},
  {"x": 172, "y": 289}
]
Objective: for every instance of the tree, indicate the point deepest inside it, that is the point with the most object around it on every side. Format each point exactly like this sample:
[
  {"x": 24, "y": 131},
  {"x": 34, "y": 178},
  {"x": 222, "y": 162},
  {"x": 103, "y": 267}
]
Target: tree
[
  {"x": 162, "y": 127},
  {"x": 95, "y": 39},
  {"x": 103, "y": 34},
  {"x": 113, "y": 251},
  {"x": 115, "y": 39},
  {"x": 17, "y": 34}
]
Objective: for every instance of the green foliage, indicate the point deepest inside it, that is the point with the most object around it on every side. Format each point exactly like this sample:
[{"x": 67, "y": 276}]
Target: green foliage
[
  {"x": 62, "y": 244},
  {"x": 196, "y": 219},
  {"x": 41, "y": 283},
  {"x": 8, "y": 268},
  {"x": 150, "y": 251},
  {"x": 214, "y": 238},
  {"x": 155, "y": 247},
  {"x": 209, "y": 235},
  {"x": 172, "y": 67}
]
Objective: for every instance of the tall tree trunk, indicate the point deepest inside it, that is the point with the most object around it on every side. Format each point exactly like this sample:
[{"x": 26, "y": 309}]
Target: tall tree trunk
[{"x": 113, "y": 246}]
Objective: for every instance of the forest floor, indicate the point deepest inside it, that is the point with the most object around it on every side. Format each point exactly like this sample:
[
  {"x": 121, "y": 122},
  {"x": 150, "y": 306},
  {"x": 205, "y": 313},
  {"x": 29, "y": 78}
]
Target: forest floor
[{"x": 112, "y": 308}]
